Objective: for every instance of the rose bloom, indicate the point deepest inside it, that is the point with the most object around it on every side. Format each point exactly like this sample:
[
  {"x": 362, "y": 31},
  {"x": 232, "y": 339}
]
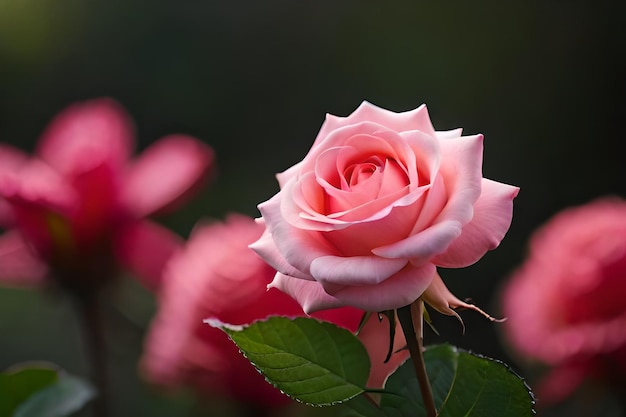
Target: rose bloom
[
  {"x": 379, "y": 202},
  {"x": 75, "y": 211},
  {"x": 218, "y": 276},
  {"x": 565, "y": 304}
]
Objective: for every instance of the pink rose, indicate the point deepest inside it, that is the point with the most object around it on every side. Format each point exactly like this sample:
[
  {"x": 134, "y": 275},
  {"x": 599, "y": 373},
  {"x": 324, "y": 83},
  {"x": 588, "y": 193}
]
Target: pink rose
[
  {"x": 379, "y": 202},
  {"x": 217, "y": 275},
  {"x": 565, "y": 304}
]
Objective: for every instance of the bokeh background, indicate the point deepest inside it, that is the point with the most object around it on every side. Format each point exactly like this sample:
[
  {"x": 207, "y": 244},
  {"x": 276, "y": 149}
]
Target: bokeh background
[{"x": 542, "y": 80}]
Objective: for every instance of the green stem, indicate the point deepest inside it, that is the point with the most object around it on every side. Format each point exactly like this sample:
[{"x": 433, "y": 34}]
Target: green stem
[
  {"x": 93, "y": 335},
  {"x": 412, "y": 330}
]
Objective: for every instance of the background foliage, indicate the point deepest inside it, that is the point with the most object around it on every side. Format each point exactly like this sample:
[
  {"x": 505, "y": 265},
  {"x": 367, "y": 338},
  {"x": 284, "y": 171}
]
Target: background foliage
[{"x": 542, "y": 80}]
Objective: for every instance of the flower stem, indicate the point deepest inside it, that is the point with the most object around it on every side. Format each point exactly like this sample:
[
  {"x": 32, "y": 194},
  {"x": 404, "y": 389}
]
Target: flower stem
[
  {"x": 412, "y": 329},
  {"x": 93, "y": 335}
]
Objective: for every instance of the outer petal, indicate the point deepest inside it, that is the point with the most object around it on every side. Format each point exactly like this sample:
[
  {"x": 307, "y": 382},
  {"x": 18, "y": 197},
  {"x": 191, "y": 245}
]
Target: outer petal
[
  {"x": 401, "y": 289},
  {"x": 423, "y": 246},
  {"x": 449, "y": 134},
  {"x": 144, "y": 248},
  {"x": 166, "y": 173},
  {"x": 493, "y": 212},
  {"x": 18, "y": 266},
  {"x": 298, "y": 247},
  {"x": 309, "y": 294},
  {"x": 461, "y": 169},
  {"x": 87, "y": 134},
  {"x": 355, "y": 270},
  {"x": 266, "y": 249},
  {"x": 416, "y": 119}
]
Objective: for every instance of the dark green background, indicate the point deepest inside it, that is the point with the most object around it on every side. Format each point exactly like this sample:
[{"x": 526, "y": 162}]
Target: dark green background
[{"x": 542, "y": 80}]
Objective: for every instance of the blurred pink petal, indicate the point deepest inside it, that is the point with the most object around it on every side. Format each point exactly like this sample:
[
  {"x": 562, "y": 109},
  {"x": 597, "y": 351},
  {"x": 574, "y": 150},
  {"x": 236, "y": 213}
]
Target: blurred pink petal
[
  {"x": 144, "y": 249},
  {"x": 35, "y": 182},
  {"x": 165, "y": 173},
  {"x": 87, "y": 134},
  {"x": 372, "y": 336},
  {"x": 18, "y": 266},
  {"x": 561, "y": 382}
]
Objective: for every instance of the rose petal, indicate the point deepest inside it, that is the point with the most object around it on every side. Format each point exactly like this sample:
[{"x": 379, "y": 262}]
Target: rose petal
[
  {"x": 433, "y": 202},
  {"x": 309, "y": 294},
  {"x": 416, "y": 119},
  {"x": 449, "y": 134},
  {"x": 298, "y": 247},
  {"x": 349, "y": 134},
  {"x": 423, "y": 157},
  {"x": 354, "y": 270},
  {"x": 461, "y": 169},
  {"x": 85, "y": 135},
  {"x": 361, "y": 237},
  {"x": 144, "y": 248},
  {"x": 298, "y": 213},
  {"x": 266, "y": 249},
  {"x": 493, "y": 212},
  {"x": 401, "y": 289},
  {"x": 19, "y": 267},
  {"x": 166, "y": 173},
  {"x": 424, "y": 245}
]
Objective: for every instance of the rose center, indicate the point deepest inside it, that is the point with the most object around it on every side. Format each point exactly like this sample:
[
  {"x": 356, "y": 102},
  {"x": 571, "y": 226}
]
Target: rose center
[{"x": 356, "y": 174}]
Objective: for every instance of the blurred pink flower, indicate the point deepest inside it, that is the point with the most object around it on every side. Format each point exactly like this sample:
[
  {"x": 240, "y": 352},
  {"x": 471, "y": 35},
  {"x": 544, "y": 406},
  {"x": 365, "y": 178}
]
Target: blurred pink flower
[
  {"x": 75, "y": 210},
  {"x": 565, "y": 304},
  {"x": 218, "y": 276}
]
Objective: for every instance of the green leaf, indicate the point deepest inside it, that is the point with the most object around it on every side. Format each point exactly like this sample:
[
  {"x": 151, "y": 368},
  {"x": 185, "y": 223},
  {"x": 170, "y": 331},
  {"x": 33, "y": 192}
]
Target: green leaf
[
  {"x": 21, "y": 381},
  {"x": 485, "y": 387},
  {"x": 41, "y": 390},
  {"x": 314, "y": 362},
  {"x": 463, "y": 384},
  {"x": 60, "y": 399}
]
